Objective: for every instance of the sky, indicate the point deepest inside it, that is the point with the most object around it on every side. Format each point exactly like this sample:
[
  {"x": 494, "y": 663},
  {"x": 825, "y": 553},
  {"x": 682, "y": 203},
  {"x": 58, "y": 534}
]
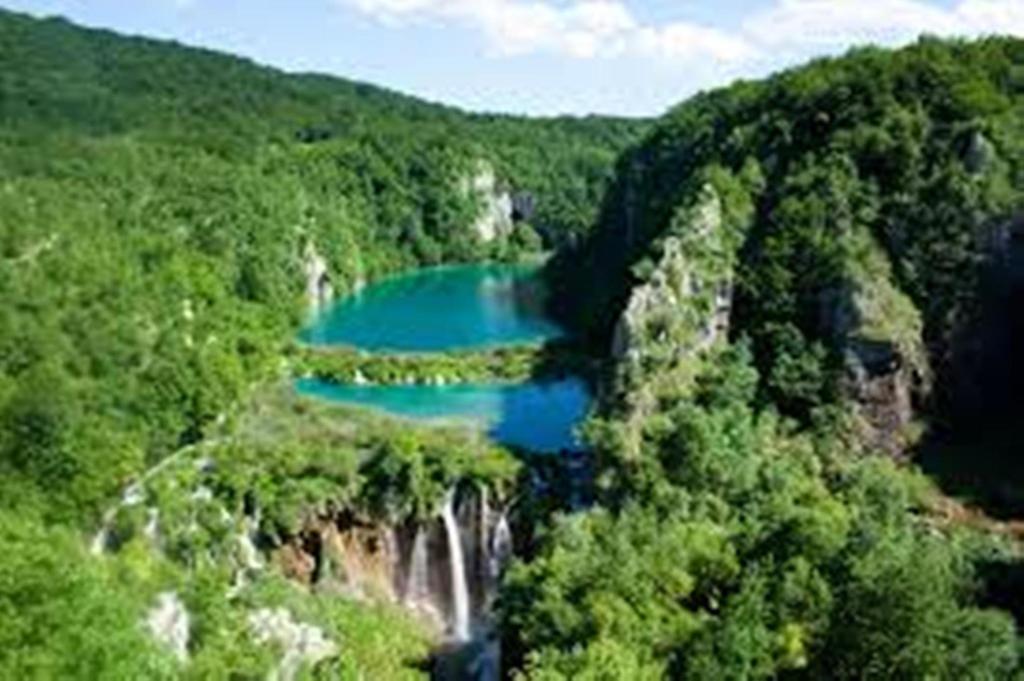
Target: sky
[{"x": 544, "y": 57}]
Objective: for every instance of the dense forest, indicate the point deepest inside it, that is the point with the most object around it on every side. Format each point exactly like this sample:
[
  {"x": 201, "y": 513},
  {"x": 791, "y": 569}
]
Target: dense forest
[
  {"x": 793, "y": 293},
  {"x": 807, "y": 277},
  {"x": 159, "y": 206}
]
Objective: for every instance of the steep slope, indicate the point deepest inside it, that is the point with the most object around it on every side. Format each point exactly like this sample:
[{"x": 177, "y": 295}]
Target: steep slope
[
  {"x": 789, "y": 270},
  {"x": 872, "y": 195},
  {"x": 168, "y": 218},
  {"x": 168, "y": 215}
]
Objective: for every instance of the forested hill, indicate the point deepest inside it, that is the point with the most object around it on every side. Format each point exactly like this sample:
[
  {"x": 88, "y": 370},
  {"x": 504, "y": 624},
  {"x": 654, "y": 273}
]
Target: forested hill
[
  {"x": 865, "y": 198},
  {"x": 802, "y": 282},
  {"x": 59, "y": 77},
  {"x": 804, "y": 278},
  {"x": 160, "y": 207}
]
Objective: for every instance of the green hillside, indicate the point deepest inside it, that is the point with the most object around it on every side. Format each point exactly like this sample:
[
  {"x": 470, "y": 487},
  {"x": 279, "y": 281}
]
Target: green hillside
[
  {"x": 159, "y": 208},
  {"x": 158, "y": 202},
  {"x": 788, "y": 293},
  {"x": 802, "y": 277}
]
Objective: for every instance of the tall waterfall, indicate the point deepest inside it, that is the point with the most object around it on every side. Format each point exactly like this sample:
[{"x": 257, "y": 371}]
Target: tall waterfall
[{"x": 460, "y": 589}]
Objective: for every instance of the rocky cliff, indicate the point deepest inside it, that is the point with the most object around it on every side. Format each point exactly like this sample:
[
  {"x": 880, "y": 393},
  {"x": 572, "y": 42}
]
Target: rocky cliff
[
  {"x": 880, "y": 335},
  {"x": 680, "y": 306},
  {"x": 496, "y": 207},
  {"x": 409, "y": 563},
  {"x": 319, "y": 289}
]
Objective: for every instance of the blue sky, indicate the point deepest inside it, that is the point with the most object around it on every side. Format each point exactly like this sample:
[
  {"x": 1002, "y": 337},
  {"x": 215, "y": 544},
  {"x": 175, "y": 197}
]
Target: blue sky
[{"x": 632, "y": 57}]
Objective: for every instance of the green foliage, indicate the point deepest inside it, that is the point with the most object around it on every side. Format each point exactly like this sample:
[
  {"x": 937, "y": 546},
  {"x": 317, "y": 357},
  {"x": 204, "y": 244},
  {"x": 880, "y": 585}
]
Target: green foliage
[
  {"x": 887, "y": 173},
  {"x": 289, "y": 463},
  {"x": 737, "y": 547},
  {"x": 295, "y": 458},
  {"x": 511, "y": 364},
  {"x": 61, "y": 622},
  {"x": 156, "y": 209},
  {"x": 871, "y": 191}
]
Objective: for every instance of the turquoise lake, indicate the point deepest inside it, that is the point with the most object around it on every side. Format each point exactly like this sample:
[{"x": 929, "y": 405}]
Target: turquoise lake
[
  {"x": 535, "y": 416},
  {"x": 449, "y": 308},
  {"x": 440, "y": 308}
]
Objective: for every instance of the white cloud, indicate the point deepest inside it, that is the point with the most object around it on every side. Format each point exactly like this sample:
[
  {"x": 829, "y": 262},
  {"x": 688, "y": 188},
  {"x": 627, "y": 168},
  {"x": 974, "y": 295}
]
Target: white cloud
[
  {"x": 584, "y": 29},
  {"x": 993, "y": 16},
  {"x": 692, "y": 41},
  {"x": 806, "y": 25},
  {"x": 792, "y": 23},
  {"x": 588, "y": 29}
]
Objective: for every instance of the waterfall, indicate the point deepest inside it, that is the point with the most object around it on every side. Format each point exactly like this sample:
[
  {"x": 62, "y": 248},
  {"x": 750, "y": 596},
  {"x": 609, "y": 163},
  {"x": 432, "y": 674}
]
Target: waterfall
[
  {"x": 102, "y": 538},
  {"x": 501, "y": 546},
  {"x": 417, "y": 586},
  {"x": 460, "y": 590},
  {"x": 99, "y": 542},
  {"x": 248, "y": 553},
  {"x": 483, "y": 539},
  {"x": 152, "y": 528}
]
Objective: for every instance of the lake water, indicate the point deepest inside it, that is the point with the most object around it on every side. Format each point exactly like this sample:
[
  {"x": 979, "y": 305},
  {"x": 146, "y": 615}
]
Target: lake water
[
  {"x": 440, "y": 308},
  {"x": 535, "y": 416},
  {"x": 448, "y": 308}
]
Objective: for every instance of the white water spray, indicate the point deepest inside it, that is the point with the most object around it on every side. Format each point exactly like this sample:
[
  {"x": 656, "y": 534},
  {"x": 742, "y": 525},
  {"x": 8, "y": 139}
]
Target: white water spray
[{"x": 501, "y": 546}]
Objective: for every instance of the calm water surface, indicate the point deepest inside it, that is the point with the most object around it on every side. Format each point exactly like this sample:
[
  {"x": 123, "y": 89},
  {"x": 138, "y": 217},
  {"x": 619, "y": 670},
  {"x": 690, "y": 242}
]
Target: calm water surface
[
  {"x": 441, "y": 308},
  {"x": 535, "y": 416}
]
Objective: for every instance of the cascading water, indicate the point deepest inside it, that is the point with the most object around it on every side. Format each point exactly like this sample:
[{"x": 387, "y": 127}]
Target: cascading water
[
  {"x": 417, "y": 586},
  {"x": 102, "y": 538},
  {"x": 500, "y": 549},
  {"x": 152, "y": 528},
  {"x": 248, "y": 552},
  {"x": 460, "y": 589}
]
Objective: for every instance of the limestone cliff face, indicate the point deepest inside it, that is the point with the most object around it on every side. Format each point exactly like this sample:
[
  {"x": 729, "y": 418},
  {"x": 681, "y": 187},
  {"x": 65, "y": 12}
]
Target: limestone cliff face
[
  {"x": 408, "y": 564},
  {"x": 683, "y": 306},
  {"x": 168, "y": 623},
  {"x": 319, "y": 289},
  {"x": 880, "y": 334},
  {"x": 497, "y": 208},
  {"x": 684, "y": 301},
  {"x": 301, "y": 644}
]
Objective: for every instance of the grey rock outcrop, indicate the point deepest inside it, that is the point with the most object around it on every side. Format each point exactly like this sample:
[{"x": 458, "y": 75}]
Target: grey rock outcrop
[
  {"x": 880, "y": 334},
  {"x": 168, "y": 622},
  {"x": 524, "y": 206},
  {"x": 684, "y": 304},
  {"x": 319, "y": 289},
  {"x": 980, "y": 153},
  {"x": 301, "y": 644},
  {"x": 495, "y": 219}
]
